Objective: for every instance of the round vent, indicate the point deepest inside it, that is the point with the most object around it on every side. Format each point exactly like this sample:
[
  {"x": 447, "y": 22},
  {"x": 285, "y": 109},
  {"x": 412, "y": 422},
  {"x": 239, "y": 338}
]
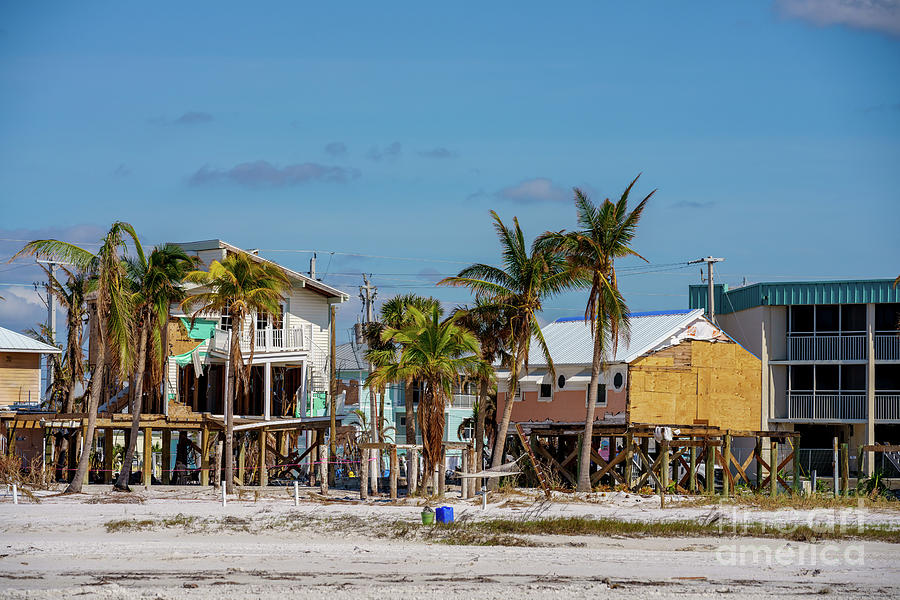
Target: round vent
[
  {"x": 618, "y": 381},
  {"x": 561, "y": 381}
]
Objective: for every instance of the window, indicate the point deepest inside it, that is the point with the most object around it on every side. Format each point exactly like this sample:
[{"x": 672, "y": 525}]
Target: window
[
  {"x": 853, "y": 378},
  {"x": 278, "y": 320},
  {"x": 887, "y": 378},
  {"x": 853, "y": 318},
  {"x": 601, "y": 395},
  {"x": 827, "y": 318},
  {"x": 518, "y": 395},
  {"x": 546, "y": 393},
  {"x": 561, "y": 381},
  {"x": 801, "y": 378},
  {"x": 801, "y": 319},
  {"x": 468, "y": 430},
  {"x": 225, "y": 318},
  {"x": 618, "y": 381},
  {"x": 262, "y": 321},
  {"x": 402, "y": 421},
  {"x": 887, "y": 317},
  {"x": 827, "y": 378}
]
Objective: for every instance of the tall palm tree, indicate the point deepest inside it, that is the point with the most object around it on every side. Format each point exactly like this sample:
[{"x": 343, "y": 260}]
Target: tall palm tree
[
  {"x": 242, "y": 286},
  {"x": 605, "y": 233},
  {"x": 490, "y": 326},
  {"x": 519, "y": 288},
  {"x": 156, "y": 284},
  {"x": 437, "y": 353},
  {"x": 395, "y": 313},
  {"x": 112, "y": 310}
]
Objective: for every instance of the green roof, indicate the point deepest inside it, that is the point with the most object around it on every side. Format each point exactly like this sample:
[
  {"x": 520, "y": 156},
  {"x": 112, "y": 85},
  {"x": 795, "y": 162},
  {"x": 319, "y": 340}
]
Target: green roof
[{"x": 789, "y": 293}]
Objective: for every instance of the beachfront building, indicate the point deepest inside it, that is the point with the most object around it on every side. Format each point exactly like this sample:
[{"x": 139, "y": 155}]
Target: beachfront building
[
  {"x": 830, "y": 354},
  {"x": 676, "y": 368},
  {"x": 352, "y": 370},
  {"x": 20, "y": 390}
]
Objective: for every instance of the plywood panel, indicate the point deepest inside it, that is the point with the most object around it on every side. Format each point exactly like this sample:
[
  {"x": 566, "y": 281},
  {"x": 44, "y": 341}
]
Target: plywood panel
[{"x": 20, "y": 377}]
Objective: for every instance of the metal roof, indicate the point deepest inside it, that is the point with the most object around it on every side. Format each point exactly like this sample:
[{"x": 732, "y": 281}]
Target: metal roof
[
  {"x": 350, "y": 357},
  {"x": 571, "y": 343},
  {"x": 789, "y": 293},
  {"x": 10, "y": 341}
]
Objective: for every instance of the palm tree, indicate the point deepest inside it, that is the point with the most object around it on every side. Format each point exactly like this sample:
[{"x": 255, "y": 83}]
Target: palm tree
[
  {"x": 437, "y": 353},
  {"x": 241, "y": 286},
  {"x": 112, "y": 311},
  {"x": 156, "y": 284},
  {"x": 605, "y": 234},
  {"x": 56, "y": 390},
  {"x": 528, "y": 277},
  {"x": 490, "y": 326}
]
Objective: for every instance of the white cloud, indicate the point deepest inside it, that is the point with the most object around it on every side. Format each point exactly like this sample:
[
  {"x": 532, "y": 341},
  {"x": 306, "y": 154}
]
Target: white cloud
[
  {"x": 878, "y": 15},
  {"x": 539, "y": 189},
  {"x": 21, "y": 308}
]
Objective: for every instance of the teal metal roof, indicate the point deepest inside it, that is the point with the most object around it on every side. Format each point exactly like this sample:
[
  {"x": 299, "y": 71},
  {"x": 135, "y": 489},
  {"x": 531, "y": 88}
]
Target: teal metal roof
[{"x": 788, "y": 293}]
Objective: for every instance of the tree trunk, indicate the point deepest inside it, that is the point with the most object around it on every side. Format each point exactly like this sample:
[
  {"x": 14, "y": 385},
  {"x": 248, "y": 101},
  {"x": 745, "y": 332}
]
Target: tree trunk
[
  {"x": 125, "y": 473},
  {"x": 374, "y": 467},
  {"x": 479, "y": 429},
  {"x": 500, "y": 441},
  {"x": 81, "y": 471},
  {"x": 584, "y": 469},
  {"x": 381, "y": 428},
  {"x": 237, "y": 369}
]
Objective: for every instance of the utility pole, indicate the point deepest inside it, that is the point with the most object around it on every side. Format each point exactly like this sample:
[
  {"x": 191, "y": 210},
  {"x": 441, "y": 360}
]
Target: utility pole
[
  {"x": 332, "y": 391},
  {"x": 367, "y": 293},
  {"x": 710, "y": 301},
  {"x": 51, "y": 309}
]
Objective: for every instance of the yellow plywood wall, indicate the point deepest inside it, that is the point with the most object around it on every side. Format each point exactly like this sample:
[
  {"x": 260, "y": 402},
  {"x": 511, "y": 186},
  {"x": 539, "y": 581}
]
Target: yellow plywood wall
[
  {"x": 20, "y": 375},
  {"x": 715, "y": 381}
]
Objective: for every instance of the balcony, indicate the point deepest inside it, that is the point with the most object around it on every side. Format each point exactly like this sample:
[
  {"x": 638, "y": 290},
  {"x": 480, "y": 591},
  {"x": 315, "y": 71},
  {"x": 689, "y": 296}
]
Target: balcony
[
  {"x": 887, "y": 406},
  {"x": 826, "y": 347},
  {"x": 887, "y": 346},
  {"x": 295, "y": 339},
  {"x": 827, "y": 406}
]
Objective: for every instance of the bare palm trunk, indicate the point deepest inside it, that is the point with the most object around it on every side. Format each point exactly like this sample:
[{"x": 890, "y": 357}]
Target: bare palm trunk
[
  {"x": 230, "y": 398},
  {"x": 584, "y": 464},
  {"x": 410, "y": 415},
  {"x": 77, "y": 482},
  {"x": 381, "y": 428},
  {"x": 125, "y": 473},
  {"x": 500, "y": 441},
  {"x": 479, "y": 429}
]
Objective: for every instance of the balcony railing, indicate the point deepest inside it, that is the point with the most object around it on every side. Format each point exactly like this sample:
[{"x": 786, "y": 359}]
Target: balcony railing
[
  {"x": 826, "y": 347},
  {"x": 887, "y": 346},
  {"x": 887, "y": 407},
  {"x": 827, "y": 406},
  {"x": 267, "y": 340},
  {"x": 464, "y": 400}
]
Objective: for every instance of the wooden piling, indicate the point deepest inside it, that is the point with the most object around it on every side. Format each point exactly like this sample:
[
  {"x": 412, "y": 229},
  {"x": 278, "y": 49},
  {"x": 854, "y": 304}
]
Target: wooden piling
[
  {"x": 773, "y": 467},
  {"x": 263, "y": 450},
  {"x": 463, "y": 482},
  {"x": 710, "y": 464},
  {"x": 364, "y": 473},
  {"x": 757, "y": 450},
  {"x": 663, "y": 472},
  {"x": 166, "y": 456},
  {"x": 412, "y": 471},
  {"x": 472, "y": 469},
  {"x": 108, "y": 455},
  {"x": 629, "y": 459},
  {"x": 395, "y": 468},
  {"x": 323, "y": 469},
  {"x": 692, "y": 474},
  {"x": 148, "y": 456},
  {"x": 726, "y": 467},
  {"x": 796, "y": 482},
  {"x": 217, "y": 471},
  {"x": 242, "y": 463},
  {"x": 204, "y": 456},
  {"x": 845, "y": 469},
  {"x": 439, "y": 469}
]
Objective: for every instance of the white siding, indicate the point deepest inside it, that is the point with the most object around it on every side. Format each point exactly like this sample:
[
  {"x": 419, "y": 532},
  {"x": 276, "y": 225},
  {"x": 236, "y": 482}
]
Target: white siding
[{"x": 304, "y": 308}]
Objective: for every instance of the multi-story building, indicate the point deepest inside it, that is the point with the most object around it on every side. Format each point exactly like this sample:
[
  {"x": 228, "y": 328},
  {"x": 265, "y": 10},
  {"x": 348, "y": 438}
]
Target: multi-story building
[{"x": 830, "y": 353}]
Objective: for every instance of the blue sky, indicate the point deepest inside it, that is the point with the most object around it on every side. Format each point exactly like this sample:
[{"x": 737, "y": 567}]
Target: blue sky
[{"x": 770, "y": 129}]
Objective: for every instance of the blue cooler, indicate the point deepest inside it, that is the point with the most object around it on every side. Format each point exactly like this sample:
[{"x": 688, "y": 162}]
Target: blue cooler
[{"x": 444, "y": 514}]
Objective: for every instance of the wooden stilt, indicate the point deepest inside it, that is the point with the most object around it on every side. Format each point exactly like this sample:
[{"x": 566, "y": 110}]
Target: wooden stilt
[
  {"x": 472, "y": 469},
  {"x": 86, "y": 443},
  {"x": 412, "y": 471},
  {"x": 757, "y": 450},
  {"x": 364, "y": 474},
  {"x": 845, "y": 469},
  {"x": 773, "y": 468},
  {"x": 464, "y": 482},
  {"x": 204, "y": 456},
  {"x": 710, "y": 463},
  {"x": 395, "y": 467},
  {"x": 148, "y": 457},
  {"x": 441, "y": 484},
  {"x": 108, "y": 456},
  {"x": 692, "y": 475},
  {"x": 263, "y": 448},
  {"x": 217, "y": 471},
  {"x": 166, "y": 456},
  {"x": 242, "y": 463},
  {"x": 796, "y": 449},
  {"x": 629, "y": 460},
  {"x": 323, "y": 469}
]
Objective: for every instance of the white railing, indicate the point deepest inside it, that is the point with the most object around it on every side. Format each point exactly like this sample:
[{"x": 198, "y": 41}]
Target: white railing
[
  {"x": 887, "y": 346},
  {"x": 464, "y": 400},
  {"x": 887, "y": 407},
  {"x": 827, "y": 407},
  {"x": 267, "y": 340},
  {"x": 826, "y": 347}
]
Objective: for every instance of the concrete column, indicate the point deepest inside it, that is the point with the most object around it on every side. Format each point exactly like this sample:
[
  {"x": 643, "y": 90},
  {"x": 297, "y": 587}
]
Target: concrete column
[
  {"x": 267, "y": 391},
  {"x": 870, "y": 386}
]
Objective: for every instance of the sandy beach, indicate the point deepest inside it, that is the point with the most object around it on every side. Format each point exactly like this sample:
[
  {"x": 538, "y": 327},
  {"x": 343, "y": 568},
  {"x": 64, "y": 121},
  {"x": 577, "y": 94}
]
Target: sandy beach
[{"x": 184, "y": 544}]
